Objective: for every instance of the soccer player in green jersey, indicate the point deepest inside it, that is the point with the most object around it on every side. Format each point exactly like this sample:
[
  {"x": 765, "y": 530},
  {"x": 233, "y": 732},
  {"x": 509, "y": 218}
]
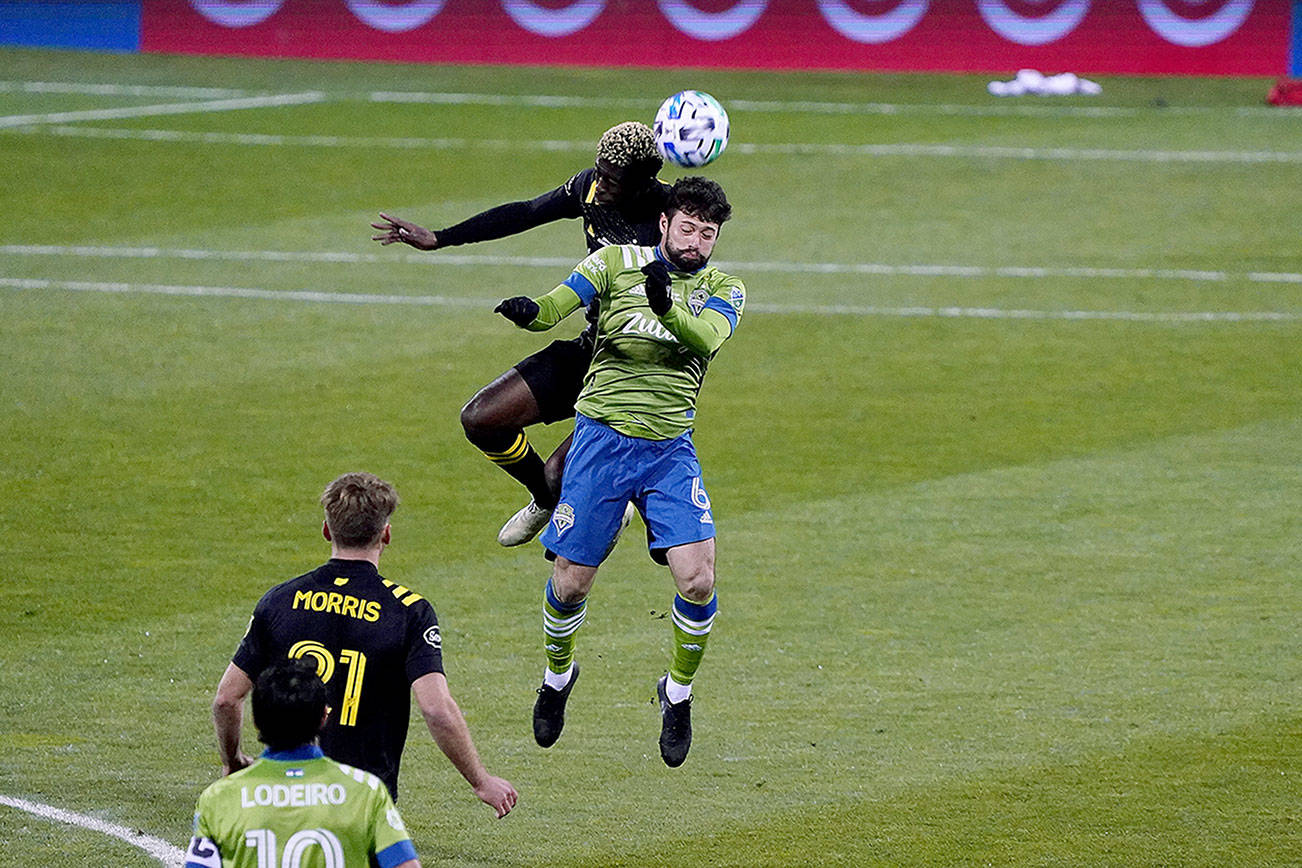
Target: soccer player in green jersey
[
  {"x": 664, "y": 314},
  {"x": 294, "y": 805}
]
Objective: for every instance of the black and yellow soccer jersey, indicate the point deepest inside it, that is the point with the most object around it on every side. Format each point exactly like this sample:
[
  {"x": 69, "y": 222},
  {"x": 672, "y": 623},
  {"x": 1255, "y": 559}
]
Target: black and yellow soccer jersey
[
  {"x": 633, "y": 221},
  {"x": 370, "y": 639}
]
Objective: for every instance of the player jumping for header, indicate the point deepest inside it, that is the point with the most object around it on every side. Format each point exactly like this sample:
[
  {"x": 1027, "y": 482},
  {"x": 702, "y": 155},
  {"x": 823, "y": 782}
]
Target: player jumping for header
[
  {"x": 620, "y": 200},
  {"x": 663, "y": 315}
]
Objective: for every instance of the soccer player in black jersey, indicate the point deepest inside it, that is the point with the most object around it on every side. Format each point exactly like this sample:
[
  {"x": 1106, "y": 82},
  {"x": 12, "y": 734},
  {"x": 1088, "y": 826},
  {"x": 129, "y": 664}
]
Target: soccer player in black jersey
[
  {"x": 620, "y": 200},
  {"x": 374, "y": 643}
]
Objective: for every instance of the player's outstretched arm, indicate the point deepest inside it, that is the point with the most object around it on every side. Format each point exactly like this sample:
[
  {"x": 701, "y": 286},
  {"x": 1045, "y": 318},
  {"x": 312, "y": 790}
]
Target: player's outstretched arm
[
  {"x": 228, "y": 718},
  {"x": 448, "y": 726},
  {"x": 541, "y": 313},
  {"x": 512, "y": 218},
  {"x": 395, "y": 229}
]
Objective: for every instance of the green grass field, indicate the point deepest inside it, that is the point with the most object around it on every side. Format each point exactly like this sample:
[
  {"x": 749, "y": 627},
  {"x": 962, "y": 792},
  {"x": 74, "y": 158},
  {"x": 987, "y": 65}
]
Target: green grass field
[{"x": 1006, "y": 458}]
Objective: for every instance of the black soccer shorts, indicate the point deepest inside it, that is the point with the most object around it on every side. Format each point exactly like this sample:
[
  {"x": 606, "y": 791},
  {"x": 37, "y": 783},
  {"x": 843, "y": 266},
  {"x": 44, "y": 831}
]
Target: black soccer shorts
[{"x": 555, "y": 376}]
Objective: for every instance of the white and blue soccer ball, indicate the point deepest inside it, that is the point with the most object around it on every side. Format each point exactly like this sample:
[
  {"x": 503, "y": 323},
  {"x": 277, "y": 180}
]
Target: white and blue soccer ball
[{"x": 691, "y": 129}]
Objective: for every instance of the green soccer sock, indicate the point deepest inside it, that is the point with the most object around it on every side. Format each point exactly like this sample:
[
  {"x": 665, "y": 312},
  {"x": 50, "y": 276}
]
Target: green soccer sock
[
  {"x": 692, "y": 623},
  {"x": 560, "y": 622}
]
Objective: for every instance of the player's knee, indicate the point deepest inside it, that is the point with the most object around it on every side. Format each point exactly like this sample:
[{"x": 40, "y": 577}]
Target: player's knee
[
  {"x": 477, "y": 420},
  {"x": 698, "y": 585},
  {"x": 571, "y": 582},
  {"x": 470, "y": 419}
]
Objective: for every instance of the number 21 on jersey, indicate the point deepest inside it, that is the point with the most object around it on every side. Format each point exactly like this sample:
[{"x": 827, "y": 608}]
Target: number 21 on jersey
[{"x": 354, "y": 661}]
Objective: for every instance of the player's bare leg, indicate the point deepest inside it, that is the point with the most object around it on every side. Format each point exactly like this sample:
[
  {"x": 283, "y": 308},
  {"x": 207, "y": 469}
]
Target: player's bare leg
[
  {"x": 554, "y": 467},
  {"x": 494, "y": 421},
  {"x": 695, "y": 605},
  {"x": 564, "y": 608}
]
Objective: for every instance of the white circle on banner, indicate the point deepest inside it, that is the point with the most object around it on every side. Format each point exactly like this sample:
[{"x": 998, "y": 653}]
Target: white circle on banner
[
  {"x": 1194, "y": 32},
  {"x": 542, "y": 21},
  {"x": 712, "y": 26},
  {"x": 874, "y": 29},
  {"x": 229, "y": 14},
  {"x": 1033, "y": 29},
  {"x": 395, "y": 19}
]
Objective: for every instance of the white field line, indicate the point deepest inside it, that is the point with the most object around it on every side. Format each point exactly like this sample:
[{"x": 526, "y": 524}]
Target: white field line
[
  {"x": 237, "y": 292},
  {"x": 175, "y": 108},
  {"x": 995, "y": 313},
  {"x": 273, "y": 140},
  {"x": 323, "y": 256},
  {"x": 825, "y": 310},
  {"x": 995, "y": 152},
  {"x": 157, "y": 848},
  {"x": 1030, "y": 106},
  {"x": 994, "y": 109},
  {"x": 482, "y": 260},
  {"x": 1003, "y": 152},
  {"x": 116, "y": 90}
]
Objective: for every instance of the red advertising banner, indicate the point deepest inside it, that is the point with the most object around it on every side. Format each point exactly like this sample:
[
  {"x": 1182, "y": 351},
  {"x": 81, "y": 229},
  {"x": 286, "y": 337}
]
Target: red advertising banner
[{"x": 1135, "y": 37}]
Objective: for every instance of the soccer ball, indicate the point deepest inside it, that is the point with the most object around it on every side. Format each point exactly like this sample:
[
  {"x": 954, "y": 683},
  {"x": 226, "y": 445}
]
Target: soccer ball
[{"x": 691, "y": 129}]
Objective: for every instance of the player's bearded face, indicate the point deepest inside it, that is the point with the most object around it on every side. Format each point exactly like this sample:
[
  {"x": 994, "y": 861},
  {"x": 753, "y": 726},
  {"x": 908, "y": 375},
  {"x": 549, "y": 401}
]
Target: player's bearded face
[{"x": 687, "y": 241}]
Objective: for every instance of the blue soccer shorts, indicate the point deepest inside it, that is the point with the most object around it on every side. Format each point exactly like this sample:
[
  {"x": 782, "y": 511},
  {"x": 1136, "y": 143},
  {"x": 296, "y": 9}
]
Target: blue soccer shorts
[{"x": 605, "y": 470}]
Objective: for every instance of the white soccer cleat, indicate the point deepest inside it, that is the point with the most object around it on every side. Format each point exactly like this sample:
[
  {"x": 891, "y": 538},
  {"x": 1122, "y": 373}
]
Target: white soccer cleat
[
  {"x": 629, "y": 511},
  {"x": 524, "y": 525}
]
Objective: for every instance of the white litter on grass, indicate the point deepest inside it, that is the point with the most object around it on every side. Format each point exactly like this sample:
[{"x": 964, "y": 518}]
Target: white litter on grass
[{"x": 1036, "y": 83}]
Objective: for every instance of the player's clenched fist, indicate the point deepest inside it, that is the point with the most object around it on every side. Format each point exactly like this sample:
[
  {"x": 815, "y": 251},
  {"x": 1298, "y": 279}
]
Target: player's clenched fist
[
  {"x": 657, "y": 287},
  {"x": 520, "y": 310}
]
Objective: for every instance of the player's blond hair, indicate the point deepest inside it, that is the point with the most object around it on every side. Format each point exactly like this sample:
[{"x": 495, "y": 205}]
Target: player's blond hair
[
  {"x": 630, "y": 144},
  {"x": 357, "y": 507}
]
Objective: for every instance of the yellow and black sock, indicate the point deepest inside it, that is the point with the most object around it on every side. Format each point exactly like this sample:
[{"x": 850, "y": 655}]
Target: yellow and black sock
[{"x": 523, "y": 464}]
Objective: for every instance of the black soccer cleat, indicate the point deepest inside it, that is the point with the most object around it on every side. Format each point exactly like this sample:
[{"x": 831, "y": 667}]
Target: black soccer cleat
[
  {"x": 549, "y": 711},
  {"x": 675, "y": 727}
]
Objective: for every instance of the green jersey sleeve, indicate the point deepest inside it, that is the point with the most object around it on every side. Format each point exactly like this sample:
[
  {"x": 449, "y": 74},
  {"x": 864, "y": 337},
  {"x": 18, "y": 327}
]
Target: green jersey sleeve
[
  {"x": 392, "y": 845},
  {"x": 203, "y": 852},
  {"x": 702, "y": 334},
  {"x": 589, "y": 280},
  {"x": 554, "y": 307},
  {"x": 707, "y": 317}
]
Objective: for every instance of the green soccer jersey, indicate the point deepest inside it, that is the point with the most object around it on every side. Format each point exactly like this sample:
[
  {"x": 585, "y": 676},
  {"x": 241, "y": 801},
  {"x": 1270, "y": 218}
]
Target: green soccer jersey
[
  {"x": 646, "y": 370},
  {"x": 298, "y": 808}
]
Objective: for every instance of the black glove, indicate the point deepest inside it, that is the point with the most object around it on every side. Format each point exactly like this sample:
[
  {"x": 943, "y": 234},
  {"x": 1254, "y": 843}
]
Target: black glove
[
  {"x": 520, "y": 310},
  {"x": 657, "y": 287}
]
